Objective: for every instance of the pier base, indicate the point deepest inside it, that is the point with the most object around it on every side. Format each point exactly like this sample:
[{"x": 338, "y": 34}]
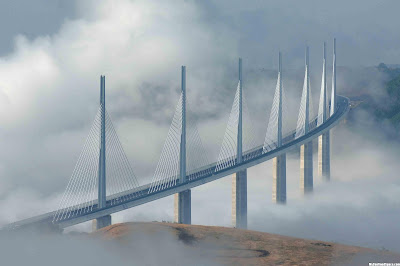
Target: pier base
[
  {"x": 239, "y": 199},
  {"x": 324, "y": 157},
  {"x": 279, "y": 179},
  {"x": 101, "y": 222},
  {"x": 306, "y": 167},
  {"x": 182, "y": 207}
]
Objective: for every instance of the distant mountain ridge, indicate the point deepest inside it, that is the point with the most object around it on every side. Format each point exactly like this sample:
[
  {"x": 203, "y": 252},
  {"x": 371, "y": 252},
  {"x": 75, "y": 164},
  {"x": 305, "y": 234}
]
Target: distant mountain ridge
[{"x": 383, "y": 103}]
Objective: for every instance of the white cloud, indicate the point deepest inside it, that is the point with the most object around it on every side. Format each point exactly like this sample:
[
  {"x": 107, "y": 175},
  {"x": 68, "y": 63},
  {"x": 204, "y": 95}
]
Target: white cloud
[{"x": 49, "y": 95}]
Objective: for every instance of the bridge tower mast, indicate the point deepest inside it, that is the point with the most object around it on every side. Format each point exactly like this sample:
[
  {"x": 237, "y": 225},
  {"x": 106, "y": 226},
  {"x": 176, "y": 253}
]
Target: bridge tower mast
[
  {"x": 182, "y": 200},
  {"x": 333, "y": 95},
  {"x": 102, "y": 165},
  {"x": 279, "y": 163},
  {"x": 306, "y": 156},
  {"x": 105, "y": 220},
  {"x": 239, "y": 179},
  {"x": 323, "y": 140}
]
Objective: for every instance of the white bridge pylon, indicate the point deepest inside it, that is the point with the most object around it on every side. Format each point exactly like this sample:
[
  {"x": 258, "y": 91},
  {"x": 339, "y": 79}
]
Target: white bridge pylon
[
  {"x": 228, "y": 155},
  {"x": 306, "y": 106},
  {"x": 303, "y": 128},
  {"x": 274, "y": 139},
  {"x": 168, "y": 170},
  {"x": 277, "y": 123},
  {"x": 102, "y": 156},
  {"x": 103, "y": 178}
]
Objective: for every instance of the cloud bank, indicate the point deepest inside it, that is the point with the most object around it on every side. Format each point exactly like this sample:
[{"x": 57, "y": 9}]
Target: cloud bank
[{"x": 49, "y": 92}]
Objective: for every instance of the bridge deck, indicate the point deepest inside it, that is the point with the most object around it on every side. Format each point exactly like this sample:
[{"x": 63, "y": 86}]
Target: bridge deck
[{"x": 128, "y": 199}]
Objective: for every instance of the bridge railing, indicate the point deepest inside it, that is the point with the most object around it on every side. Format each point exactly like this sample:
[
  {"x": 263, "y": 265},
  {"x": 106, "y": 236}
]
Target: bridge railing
[{"x": 142, "y": 190}]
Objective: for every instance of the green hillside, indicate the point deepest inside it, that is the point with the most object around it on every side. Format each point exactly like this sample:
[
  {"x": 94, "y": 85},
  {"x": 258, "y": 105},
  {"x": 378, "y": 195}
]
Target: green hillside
[{"x": 388, "y": 108}]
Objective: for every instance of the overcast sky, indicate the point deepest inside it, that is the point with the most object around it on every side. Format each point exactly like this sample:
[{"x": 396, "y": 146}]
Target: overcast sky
[
  {"x": 258, "y": 28},
  {"x": 53, "y": 52}
]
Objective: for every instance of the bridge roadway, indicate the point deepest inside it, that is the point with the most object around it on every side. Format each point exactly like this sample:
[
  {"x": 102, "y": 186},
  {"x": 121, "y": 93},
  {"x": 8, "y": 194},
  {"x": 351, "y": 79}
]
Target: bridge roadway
[{"x": 141, "y": 195}]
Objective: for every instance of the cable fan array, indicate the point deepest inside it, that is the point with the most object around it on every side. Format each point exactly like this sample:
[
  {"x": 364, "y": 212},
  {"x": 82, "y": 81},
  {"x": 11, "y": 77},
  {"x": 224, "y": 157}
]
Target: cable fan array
[
  {"x": 322, "y": 97},
  {"x": 250, "y": 145},
  {"x": 228, "y": 152},
  {"x": 271, "y": 137},
  {"x": 167, "y": 170},
  {"x": 81, "y": 196},
  {"x": 196, "y": 156},
  {"x": 121, "y": 180},
  {"x": 305, "y": 97}
]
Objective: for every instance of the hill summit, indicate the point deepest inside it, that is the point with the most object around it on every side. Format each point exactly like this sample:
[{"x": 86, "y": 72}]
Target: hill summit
[{"x": 211, "y": 245}]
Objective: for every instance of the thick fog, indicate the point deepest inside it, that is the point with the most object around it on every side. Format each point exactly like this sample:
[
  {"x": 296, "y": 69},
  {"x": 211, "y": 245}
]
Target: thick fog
[{"x": 49, "y": 93}]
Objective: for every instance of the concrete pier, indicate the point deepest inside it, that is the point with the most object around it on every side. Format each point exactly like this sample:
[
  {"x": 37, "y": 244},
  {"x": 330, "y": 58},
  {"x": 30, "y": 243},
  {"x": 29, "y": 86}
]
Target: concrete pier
[
  {"x": 105, "y": 220},
  {"x": 182, "y": 207},
  {"x": 101, "y": 222},
  {"x": 323, "y": 140},
  {"x": 279, "y": 163},
  {"x": 306, "y": 150},
  {"x": 279, "y": 179},
  {"x": 324, "y": 167},
  {"x": 182, "y": 202},
  {"x": 239, "y": 179},
  {"x": 239, "y": 199},
  {"x": 306, "y": 167}
]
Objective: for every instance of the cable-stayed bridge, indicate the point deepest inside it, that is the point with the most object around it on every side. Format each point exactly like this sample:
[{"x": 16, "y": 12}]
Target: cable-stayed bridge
[{"x": 103, "y": 181}]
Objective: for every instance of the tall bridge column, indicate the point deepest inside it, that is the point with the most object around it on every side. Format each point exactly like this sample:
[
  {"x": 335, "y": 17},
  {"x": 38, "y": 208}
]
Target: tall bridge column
[
  {"x": 239, "y": 180},
  {"x": 306, "y": 150},
  {"x": 182, "y": 207},
  {"x": 239, "y": 199},
  {"x": 306, "y": 167},
  {"x": 105, "y": 220},
  {"x": 323, "y": 140},
  {"x": 332, "y": 111},
  {"x": 279, "y": 179},
  {"x": 333, "y": 95},
  {"x": 279, "y": 163},
  {"x": 182, "y": 204},
  {"x": 324, "y": 157}
]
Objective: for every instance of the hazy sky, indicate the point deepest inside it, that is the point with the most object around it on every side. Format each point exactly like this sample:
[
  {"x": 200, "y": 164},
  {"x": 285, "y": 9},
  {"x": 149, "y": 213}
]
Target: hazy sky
[
  {"x": 258, "y": 28},
  {"x": 52, "y": 54},
  {"x": 32, "y": 19}
]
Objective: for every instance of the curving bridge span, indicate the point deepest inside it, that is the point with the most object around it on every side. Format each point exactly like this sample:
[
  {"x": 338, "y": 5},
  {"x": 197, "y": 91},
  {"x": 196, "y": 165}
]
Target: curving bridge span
[{"x": 104, "y": 204}]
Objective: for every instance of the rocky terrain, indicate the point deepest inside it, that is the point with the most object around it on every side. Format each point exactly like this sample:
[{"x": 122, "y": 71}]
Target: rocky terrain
[{"x": 230, "y": 246}]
